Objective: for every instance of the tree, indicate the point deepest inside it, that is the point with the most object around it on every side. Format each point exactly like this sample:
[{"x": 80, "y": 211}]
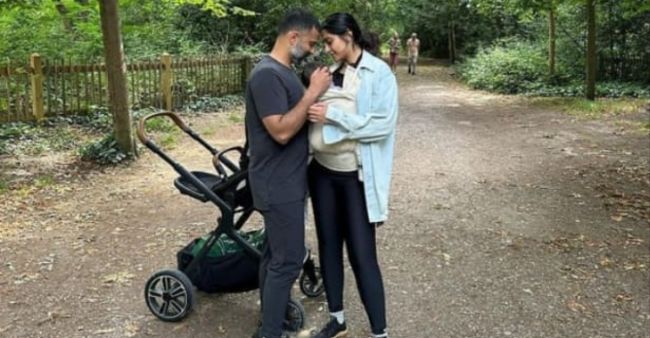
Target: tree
[
  {"x": 551, "y": 40},
  {"x": 116, "y": 69},
  {"x": 590, "y": 91},
  {"x": 116, "y": 73}
]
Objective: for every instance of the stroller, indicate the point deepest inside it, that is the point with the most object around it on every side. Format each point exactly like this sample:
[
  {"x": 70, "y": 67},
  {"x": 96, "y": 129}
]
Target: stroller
[{"x": 169, "y": 294}]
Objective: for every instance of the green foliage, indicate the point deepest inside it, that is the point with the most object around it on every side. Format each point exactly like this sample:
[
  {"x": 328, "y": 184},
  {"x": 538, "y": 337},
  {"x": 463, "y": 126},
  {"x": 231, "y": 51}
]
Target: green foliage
[
  {"x": 519, "y": 67},
  {"x": 253, "y": 50},
  {"x": 99, "y": 119},
  {"x": 71, "y": 28},
  {"x": 28, "y": 139},
  {"x": 105, "y": 151},
  {"x": 16, "y": 131},
  {"x": 603, "y": 89},
  {"x": 508, "y": 67},
  {"x": 4, "y": 186},
  {"x": 214, "y": 104}
]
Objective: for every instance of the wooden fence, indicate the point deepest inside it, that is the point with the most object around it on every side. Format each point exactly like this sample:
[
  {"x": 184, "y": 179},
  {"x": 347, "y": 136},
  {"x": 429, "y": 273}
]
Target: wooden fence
[{"x": 45, "y": 87}]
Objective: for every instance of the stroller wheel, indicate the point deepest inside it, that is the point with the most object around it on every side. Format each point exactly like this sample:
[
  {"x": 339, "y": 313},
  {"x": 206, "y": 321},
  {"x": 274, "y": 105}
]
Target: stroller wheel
[
  {"x": 311, "y": 283},
  {"x": 295, "y": 317},
  {"x": 169, "y": 295}
]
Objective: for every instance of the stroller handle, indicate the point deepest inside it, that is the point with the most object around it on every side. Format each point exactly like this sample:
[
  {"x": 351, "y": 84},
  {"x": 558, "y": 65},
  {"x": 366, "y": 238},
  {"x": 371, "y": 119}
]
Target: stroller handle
[
  {"x": 142, "y": 135},
  {"x": 219, "y": 158}
]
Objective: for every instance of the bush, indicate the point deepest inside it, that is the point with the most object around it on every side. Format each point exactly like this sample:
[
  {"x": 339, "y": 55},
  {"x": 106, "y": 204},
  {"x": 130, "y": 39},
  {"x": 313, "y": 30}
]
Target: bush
[
  {"x": 518, "y": 67},
  {"x": 17, "y": 131},
  {"x": 104, "y": 151},
  {"x": 508, "y": 67}
]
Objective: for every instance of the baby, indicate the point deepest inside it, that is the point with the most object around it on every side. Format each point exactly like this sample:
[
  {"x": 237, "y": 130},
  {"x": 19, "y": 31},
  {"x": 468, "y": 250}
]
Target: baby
[{"x": 343, "y": 98}]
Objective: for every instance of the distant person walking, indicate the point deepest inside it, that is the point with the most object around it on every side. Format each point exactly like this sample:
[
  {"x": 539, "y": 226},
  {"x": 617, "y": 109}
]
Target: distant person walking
[
  {"x": 413, "y": 45},
  {"x": 394, "y": 44}
]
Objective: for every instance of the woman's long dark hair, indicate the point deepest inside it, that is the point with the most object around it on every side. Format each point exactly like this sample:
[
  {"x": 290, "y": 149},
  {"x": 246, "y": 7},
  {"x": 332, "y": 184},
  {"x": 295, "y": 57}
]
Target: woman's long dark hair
[{"x": 341, "y": 23}]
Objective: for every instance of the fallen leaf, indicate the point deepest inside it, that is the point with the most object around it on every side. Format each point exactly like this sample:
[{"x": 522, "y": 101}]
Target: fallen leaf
[
  {"x": 104, "y": 331},
  {"x": 119, "y": 278},
  {"x": 606, "y": 262},
  {"x": 576, "y": 307},
  {"x": 616, "y": 218},
  {"x": 623, "y": 298}
]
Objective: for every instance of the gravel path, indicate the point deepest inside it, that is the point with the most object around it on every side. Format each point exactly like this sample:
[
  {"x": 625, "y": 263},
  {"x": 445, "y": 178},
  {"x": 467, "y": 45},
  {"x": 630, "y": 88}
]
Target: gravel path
[{"x": 506, "y": 221}]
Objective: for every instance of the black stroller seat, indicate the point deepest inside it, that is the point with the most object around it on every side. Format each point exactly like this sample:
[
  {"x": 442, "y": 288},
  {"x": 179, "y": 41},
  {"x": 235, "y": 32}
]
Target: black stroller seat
[
  {"x": 232, "y": 189},
  {"x": 186, "y": 187}
]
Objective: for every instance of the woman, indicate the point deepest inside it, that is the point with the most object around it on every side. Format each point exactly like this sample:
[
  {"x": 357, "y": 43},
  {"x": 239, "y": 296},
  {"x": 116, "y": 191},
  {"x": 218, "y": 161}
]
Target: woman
[{"x": 349, "y": 175}]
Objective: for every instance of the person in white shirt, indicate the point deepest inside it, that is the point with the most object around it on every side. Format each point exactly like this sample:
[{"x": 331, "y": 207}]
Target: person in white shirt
[{"x": 413, "y": 45}]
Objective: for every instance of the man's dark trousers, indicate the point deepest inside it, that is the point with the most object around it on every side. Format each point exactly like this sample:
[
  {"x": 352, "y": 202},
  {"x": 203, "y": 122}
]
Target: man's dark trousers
[{"x": 282, "y": 260}]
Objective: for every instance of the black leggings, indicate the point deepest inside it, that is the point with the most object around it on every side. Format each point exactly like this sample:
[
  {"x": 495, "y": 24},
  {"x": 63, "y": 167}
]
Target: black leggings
[{"x": 341, "y": 216}]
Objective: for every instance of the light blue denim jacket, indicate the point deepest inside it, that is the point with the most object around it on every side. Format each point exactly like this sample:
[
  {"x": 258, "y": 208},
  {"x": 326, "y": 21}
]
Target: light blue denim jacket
[{"x": 373, "y": 126}]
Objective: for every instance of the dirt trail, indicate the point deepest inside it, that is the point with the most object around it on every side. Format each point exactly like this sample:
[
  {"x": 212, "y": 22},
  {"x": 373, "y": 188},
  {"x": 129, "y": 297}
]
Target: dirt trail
[{"x": 506, "y": 220}]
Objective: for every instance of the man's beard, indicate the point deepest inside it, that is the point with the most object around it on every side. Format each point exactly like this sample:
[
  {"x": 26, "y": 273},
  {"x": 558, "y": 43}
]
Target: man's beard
[{"x": 298, "y": 54}]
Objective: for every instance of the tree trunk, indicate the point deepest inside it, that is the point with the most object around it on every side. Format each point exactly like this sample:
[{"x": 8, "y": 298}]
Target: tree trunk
[
  {"x": 451, "y": 42},
  {"x": 623, "y": 63},
  {"x": 116, "y": 73},
  {"x": 551, "y": 41},
  {"x": 590, "y": 92}
]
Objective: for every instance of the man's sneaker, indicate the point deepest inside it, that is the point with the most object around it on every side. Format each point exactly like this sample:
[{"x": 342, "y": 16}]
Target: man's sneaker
[{"x": 332, "y": 330}]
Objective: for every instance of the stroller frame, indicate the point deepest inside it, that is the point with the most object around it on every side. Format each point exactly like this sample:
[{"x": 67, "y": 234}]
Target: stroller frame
[{"x": 169, "y": 294}]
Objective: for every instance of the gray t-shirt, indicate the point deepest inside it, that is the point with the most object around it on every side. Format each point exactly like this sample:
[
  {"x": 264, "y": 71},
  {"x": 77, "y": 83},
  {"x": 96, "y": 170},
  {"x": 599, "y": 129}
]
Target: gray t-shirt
[{"x": 277, "y": 173}]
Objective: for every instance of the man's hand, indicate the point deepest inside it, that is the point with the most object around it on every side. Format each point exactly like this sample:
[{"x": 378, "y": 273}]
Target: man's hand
[
  {"x": 319, "y": 82},
  {"x": 317, "y": 112}
]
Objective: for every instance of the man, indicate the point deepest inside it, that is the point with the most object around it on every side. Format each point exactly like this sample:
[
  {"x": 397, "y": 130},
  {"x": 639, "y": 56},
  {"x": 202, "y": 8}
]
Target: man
[
  {"x": 276, "y": 111},
  {"x": 394, "y": 45},
  {"x": 413, "y": 45}
]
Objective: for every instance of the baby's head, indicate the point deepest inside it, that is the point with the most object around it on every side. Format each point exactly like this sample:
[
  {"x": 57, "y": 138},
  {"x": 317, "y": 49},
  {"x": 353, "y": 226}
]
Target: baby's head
[
  {"x": 308, "y": 68},
  {"x": 308, "y": 65}
]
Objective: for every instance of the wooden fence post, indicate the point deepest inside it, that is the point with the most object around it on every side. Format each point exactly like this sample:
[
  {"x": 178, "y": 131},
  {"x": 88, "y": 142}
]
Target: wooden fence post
[
  {"x": 245, "y": 70},
  {"x": 37, "y": 87},
  {"x": 166, "y": 81}
]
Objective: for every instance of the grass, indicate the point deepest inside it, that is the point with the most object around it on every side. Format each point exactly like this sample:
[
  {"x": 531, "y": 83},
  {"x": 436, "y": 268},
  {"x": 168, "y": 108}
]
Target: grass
[
  {"x": 165, "y": 131},
  {"x": 645, "y": 127},
  {"x": 44, "y": 181},
  {"x": 168, "y": 141},
  {"x": 4, "y": 186},
  {"x": 208, "y": 131},
  {"x": 235, "y": 117},
  {"x": 583, "y": 108},
  {"x": 160, "y": 124},
  {"x": 642, "y": 127}
]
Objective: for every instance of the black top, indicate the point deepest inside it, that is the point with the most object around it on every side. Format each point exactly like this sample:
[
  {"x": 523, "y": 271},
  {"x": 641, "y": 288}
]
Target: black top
[{"x": 277, "y": 173}]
